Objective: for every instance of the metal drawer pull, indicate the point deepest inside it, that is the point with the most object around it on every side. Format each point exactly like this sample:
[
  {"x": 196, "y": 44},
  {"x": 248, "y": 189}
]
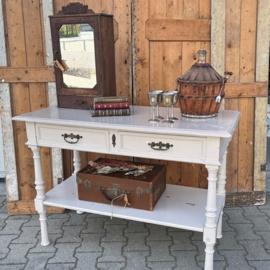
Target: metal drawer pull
[
  {"x": 72, "y": 137},
  {"x": 160, "y": 146}
]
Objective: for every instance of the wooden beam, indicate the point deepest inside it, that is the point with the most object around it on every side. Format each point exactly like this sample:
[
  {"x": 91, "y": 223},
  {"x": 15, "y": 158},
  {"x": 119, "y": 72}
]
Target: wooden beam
[
  {"x": 27, "y": 207},
  {"x": 7, "y": 127},
  {"x": 238, "y": 90},
  {"x": 262, "y": 71},
  {"x": 218, "y": 22},
  {"x": 178, "y": 30},
  {"x": 247, "y": 198},
  {"x": 26, "y": 74}
]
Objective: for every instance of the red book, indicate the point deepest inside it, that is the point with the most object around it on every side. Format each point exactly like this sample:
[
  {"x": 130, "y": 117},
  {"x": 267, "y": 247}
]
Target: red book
[
  {"x": 110, "y": 112},
  {"x": 111, "y": 105}
]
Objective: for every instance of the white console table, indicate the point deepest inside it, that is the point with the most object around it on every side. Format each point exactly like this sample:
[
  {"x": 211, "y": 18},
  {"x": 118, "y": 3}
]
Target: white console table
[{"x": 202, "y": 141}]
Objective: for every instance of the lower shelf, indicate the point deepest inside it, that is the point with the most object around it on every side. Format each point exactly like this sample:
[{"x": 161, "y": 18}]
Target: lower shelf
[{"x": 179, "y": 207}]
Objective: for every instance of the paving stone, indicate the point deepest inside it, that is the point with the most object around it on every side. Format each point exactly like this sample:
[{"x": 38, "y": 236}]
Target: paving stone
[
  {"x": 87, "y": 260},
  {"x": 260, "y": 265},
  {"x": 3, "y": 217},
  {"x": 75, "y": 219},
  {"x": 136, "y": 241},
  {"x": 12, "y": 266},
  {"x": 64, "y": 215},
  {"x": 112, "y": 252},
  {"x": 95, "y": 225},
  {"x": 255, "y": 250},
  {"x": 16, "y": 217},
  {"x": 228, "y": 242},
  {"x": 267, "y": 203},
  {"x": 236, "y": 260},
  {"x": 5, "y": 240},
  {"x": 159, "y": 251},
  {"x": 33, "y": 221},
  {"x": 218, "y": 265},
  {"x": 90, "y": 242},
  {"x": 64, "y": 253},
  {"x": 37, "y": 261},
  {"x": 252, "y": 211},
  {"x": 17, "y": 254},
  {"x": 45, "y": 249},
  {"x": 116, "y": 221},
  {"x": 236, "y": 216},
  {"x": 185, "y": 260},
  {"x": 71, "y": 234},
  {"x": 2, "y": 200},
  {"x": 201, "y": 254},
  {"x": 61, "y": 266},
  {"x": 56, "y": 225},
  {"x": 225, "y": 226},
  {"x": 197, "y": 236},
  {"x": 265, "y": 211},
  {"x": 136, "y": 260},
  {"x": 260, "y": 223},
  {"x": 111, "y": 266},
  {"x": 13, "y": 227},
  {"x": 4, "y": 208},
  {"x": 28, "y": 236},
  {"x": 266, "y": 238},
  {"x": 114, "y": 233},
  {"x": 162, "y": 265},
  {"x": 245, "y": 232},
  {"x": 135, "y": 226},
  {"x": 182, "y": 241},
  {"x": 157, "y": 233}
]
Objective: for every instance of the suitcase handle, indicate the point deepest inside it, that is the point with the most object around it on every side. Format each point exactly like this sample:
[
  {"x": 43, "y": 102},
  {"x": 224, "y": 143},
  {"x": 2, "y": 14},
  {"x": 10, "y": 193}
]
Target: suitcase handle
[{"x": 109, "y": 199}]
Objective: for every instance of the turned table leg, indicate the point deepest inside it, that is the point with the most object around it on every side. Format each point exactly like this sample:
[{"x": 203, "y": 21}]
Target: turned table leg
[
  {"x": 221, "y": 190},
  {"x": 40, "y": 189},
  {"x": 77, "y": 167},
  {"x": 209, "y": 233}
]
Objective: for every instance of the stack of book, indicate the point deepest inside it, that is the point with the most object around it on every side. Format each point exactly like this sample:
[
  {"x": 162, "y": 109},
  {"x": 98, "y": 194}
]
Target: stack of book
[{"x": 110, "y": 106}]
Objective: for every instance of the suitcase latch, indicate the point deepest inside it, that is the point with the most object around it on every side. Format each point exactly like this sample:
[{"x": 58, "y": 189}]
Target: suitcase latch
[
  {"x": 114, "y": 191},
  {"x": 150, "y": 190},
  {"x": 78, "y": 180},
  {"x": 87, "y": 185},
  {"x": 139, "y": 192}
]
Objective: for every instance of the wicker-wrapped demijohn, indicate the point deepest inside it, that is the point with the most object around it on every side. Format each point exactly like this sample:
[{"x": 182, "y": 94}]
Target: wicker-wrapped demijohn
[{"x": 201, "y": 89}]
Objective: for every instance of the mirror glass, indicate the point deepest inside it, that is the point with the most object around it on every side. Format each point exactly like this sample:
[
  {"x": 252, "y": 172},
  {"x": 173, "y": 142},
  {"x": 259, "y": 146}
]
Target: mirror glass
[{"x": 78, "y": 52}]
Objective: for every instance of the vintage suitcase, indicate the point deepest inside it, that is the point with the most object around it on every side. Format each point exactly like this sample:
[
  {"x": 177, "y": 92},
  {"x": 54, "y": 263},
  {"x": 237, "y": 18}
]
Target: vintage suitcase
[{"x": 142, "y": 192}]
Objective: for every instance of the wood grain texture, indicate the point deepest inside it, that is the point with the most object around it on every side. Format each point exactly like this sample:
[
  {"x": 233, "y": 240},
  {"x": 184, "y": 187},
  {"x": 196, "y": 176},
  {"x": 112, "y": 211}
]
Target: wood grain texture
[
  {"x": 175, "y": 9},
  {"x": 232, "y": 155},
  {"x": 27, "y": 207},
  {"x": 27, "y": 74},
  {"x": 253, "y": 89},
  {"x": 246, "y": 144},
  {"x": 262, "y": 73},
  {"x": 233, "y": 29},
  {"x": 141, "y": 53},
  {"x": 178, "y": 30}
]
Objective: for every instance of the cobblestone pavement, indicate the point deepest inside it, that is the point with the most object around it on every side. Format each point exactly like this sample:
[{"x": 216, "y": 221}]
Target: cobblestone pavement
[{"x": 91, "y": 241}]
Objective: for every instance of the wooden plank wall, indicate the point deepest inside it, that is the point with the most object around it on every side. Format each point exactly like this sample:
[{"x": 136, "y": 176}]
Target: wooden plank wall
[
  {"x": 25, "y": 49},
  {"x": 160, "y": 59},
  {"x": 156, "y": 42}
]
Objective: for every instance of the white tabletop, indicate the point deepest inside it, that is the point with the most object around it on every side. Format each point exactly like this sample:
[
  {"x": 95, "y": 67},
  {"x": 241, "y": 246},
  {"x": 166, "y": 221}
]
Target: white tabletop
[{"x": 222, "y": 125}]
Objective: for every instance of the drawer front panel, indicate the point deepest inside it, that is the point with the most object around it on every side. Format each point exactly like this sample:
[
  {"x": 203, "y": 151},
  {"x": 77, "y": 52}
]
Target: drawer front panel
[
  {"x": 183, "y": 148},
  {"x": 48, "y": 135}
]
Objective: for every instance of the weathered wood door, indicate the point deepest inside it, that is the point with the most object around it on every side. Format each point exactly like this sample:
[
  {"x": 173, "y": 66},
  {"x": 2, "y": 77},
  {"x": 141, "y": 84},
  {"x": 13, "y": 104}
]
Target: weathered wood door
[{"x": 167, "y": 37}]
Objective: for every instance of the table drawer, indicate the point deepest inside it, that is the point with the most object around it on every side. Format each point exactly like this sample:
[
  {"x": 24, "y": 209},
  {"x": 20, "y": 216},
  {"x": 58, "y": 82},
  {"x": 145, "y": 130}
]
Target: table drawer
[
  {"x": 88, "y": 140},
  {"x": 179, "y": 147}
]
